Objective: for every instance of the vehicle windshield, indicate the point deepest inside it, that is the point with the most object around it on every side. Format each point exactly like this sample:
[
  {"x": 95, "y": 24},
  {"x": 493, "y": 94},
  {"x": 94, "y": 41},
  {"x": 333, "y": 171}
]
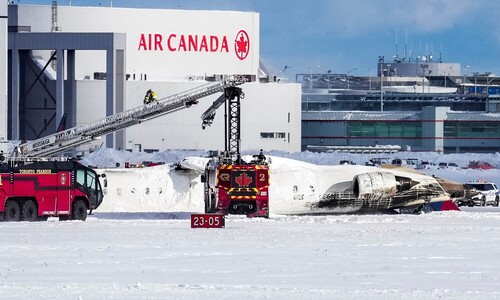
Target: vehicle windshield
[
  {"x": 87, "y": 182},
  {"x": 482, "y": 186}
]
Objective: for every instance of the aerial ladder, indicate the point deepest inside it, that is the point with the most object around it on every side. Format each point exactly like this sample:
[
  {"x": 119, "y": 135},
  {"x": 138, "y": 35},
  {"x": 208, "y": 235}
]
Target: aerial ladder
[
  {"x": 231, "y": 185},
  {"x": 76, "y": 136}
]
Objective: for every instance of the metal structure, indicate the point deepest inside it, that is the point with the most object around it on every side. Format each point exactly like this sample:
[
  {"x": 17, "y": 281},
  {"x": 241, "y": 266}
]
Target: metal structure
[
  {"x": 60, "y": 141},
  {"x": 231, "y": 98},
  {"x": 232, "y": 186}
]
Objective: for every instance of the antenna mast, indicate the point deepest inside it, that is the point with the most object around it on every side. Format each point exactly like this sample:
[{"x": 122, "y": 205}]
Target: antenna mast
[{"x": 54, "y": 28}]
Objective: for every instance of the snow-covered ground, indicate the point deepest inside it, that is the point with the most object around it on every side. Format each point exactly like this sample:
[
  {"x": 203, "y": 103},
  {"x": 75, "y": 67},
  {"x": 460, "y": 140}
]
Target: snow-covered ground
[{"x": 142, "y": 247}]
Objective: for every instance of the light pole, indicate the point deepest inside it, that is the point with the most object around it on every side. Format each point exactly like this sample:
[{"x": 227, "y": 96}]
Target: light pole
[
  {"x": 328, "y": 79},
  {"x": 284, "y": 73},
  {"x": 424, "y": 67},
  {"x": 380, "y": 62},
  {"x": 310, "y": 78},
  {"x": 475, "y": 74},
  {"x": 348, "y": 76},
  {"x": 488, "y": 82},
  {"x": 487, "y": 90},
  {"x": 382, "y": 88},
  {"x": 466, "y": 67},
  {"x": 370, "y": 78}
]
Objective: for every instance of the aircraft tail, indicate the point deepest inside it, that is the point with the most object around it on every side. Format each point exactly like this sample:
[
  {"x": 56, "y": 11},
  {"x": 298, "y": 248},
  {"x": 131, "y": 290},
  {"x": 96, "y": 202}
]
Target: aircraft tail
[{"x": 62, "y": 124}]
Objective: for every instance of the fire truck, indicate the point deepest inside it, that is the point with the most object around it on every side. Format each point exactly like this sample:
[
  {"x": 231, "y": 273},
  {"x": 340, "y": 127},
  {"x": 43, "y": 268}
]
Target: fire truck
[
  {"x": 232, "y": 185},
  {"x": 34, "y": 191},
  {"x": 33, "y": 188}
]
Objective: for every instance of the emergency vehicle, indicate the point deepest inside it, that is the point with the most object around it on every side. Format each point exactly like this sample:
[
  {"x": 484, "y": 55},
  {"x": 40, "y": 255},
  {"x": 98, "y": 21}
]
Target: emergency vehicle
[
  {"x": 32, "y": 191},
  {"x": 488, "y": 193},
  {"x": 232, "y": 185}
]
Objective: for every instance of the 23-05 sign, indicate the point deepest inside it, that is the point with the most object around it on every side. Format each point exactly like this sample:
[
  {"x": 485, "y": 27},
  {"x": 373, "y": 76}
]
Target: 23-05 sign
[{"x": 207, "y": 221}]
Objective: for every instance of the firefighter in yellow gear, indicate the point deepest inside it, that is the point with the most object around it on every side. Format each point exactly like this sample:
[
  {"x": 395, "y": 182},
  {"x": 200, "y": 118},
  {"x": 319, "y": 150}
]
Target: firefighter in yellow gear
[{"x": 150, "y": 97}]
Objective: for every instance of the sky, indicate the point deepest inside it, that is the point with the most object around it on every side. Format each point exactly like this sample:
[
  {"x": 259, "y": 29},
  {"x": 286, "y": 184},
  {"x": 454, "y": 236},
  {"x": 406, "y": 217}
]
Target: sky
[{"x": 349, "y": 36}]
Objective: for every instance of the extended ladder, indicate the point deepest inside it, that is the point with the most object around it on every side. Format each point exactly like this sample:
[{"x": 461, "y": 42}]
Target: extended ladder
[{"x": 60, "y": 141}]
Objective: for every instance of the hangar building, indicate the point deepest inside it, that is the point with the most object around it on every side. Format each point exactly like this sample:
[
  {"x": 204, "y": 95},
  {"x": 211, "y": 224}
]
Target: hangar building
[{"x": 91, "y": 62}]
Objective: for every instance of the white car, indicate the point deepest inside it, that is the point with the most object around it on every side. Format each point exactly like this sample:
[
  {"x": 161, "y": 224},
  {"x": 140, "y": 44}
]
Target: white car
[
  {"x": 443, "y": 165},
  {"x": 488, "y": 193}
]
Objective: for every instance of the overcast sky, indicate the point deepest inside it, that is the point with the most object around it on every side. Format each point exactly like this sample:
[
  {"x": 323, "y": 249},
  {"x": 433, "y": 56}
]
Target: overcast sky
[{"x": 342, "y": 35}]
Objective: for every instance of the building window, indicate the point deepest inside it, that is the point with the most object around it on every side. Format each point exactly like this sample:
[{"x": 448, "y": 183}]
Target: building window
[
  {"x": 384, "y": 129},
  {"x": 471, "y": 129},
  {"x": 272, "y": 135}
]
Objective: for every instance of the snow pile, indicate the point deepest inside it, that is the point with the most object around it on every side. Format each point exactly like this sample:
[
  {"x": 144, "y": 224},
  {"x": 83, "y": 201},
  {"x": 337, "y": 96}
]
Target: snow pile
[{"x": 153, "y": 189}]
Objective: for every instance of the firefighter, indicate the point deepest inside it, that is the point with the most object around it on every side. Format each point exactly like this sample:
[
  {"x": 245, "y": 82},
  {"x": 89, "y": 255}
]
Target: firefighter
[
  {"x": 261, "y": 156},
  {"x": 150, "y": 97}
]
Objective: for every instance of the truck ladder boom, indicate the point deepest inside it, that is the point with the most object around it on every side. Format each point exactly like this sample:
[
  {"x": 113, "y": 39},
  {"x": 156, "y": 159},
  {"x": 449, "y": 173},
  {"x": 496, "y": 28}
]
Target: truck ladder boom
[{"x": 60, "y": 141}]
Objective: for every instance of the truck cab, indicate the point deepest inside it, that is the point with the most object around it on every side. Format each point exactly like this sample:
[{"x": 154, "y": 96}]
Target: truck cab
[{"x": 237, "y": 188}]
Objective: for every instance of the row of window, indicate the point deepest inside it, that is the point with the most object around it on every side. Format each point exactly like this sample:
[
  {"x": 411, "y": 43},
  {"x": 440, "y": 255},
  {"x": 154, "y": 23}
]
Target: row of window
[
  {"x": 472, "y": 129},
  {"x": 272, "y": 135},
  {"x": 413, "y": 129},
  {"x": 384, "y": 129}
]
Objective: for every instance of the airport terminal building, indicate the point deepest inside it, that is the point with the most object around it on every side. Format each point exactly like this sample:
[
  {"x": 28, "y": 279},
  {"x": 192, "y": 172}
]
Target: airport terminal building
[
  {"x": 419, "y": 106},
  {"x": 87, "y": 63}
]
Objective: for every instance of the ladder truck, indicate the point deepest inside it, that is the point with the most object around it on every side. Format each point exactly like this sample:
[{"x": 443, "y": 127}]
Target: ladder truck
[
  {"x": 34, "y": 187},
  {"x": 231, "y": 185},
  {"x": 73, "y": 137}
]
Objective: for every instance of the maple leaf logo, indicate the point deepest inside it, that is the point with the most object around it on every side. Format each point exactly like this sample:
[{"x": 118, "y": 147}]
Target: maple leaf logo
[
  {"x": 243, "y": 180},
  {"x": 242, "y": 44}
]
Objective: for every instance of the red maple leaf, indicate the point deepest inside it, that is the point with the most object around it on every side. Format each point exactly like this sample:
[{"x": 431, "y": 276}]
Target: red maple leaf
[
  {"x": 243, "y": 180},
  {"x": 242, "y": 45}
]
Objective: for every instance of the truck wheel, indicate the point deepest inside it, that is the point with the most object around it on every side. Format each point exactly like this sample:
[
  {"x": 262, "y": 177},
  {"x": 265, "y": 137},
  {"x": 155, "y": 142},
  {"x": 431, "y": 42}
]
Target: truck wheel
[
  {"x": 12, "y": 211},
  {"x": 29, "y": 211},
  {"x": 79, "y": 211},
  {"x": 497, "y": 201},
  {"x": 210, "y": 203}
]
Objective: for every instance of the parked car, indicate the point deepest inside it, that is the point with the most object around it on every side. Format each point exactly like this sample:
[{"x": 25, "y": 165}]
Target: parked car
[
  {"x": 488, "y": 193},
  {"x": 478, "y": 164},
  {"x": 406, "y": 162},
  {"x": 378, "y": 161},
  {"x": 444, "y": 165},
  {"x": 427, "y": 165}
]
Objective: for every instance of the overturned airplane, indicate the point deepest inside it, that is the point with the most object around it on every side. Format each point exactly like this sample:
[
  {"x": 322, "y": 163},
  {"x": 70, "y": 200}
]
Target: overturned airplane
[{"x": 298, "y": 187}]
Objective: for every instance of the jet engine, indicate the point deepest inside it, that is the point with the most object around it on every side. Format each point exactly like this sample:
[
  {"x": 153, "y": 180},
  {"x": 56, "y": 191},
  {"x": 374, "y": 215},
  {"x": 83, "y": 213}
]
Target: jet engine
[{"x": 379, "y": 185}]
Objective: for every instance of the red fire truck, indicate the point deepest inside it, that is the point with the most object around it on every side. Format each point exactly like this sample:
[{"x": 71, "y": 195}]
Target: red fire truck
[
  {"x": 237, "y": 188},
  {"x": 232, "y": 185},
  {"x": 34, "y": 191}
]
